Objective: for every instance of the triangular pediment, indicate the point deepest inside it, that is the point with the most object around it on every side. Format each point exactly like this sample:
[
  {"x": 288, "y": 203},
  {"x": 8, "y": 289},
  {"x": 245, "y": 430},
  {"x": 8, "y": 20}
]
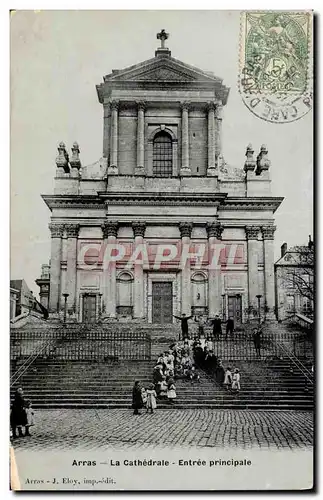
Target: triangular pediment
[{"x": 165, "y": 69}]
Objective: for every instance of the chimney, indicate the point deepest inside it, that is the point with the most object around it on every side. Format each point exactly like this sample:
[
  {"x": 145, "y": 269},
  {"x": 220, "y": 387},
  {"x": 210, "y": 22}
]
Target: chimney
[{"x": 283, "y": 249}]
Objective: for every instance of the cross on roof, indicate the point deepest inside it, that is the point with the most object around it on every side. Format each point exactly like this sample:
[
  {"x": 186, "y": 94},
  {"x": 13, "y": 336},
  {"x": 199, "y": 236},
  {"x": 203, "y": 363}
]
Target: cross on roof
[{"x": 162, "y": 36}]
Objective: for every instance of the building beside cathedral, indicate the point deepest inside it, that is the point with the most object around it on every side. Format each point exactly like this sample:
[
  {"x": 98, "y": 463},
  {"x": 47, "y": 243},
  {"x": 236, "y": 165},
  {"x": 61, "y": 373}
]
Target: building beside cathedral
[{"x": 161, "y": 225}]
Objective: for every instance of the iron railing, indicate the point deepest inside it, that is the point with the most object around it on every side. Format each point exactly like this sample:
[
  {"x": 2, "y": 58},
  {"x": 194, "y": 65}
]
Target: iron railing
[
  {"x": 241, "y": 346},
  {"x": 80, "y": 344}
]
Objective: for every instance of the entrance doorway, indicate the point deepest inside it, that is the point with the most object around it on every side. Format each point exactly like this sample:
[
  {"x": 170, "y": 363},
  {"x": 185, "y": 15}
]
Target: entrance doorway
[
  {"x": 235, "y": 308},
  {"x": 89, "y": 308},
  {"x": 162, "y": 295}
]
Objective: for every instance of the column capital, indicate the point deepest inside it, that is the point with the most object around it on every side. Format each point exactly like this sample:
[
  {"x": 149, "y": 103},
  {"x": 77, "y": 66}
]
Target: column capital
[
  {"x": 252, "y": 232},
  {"x": 268, "y": 232},
  {"x": 139, "y": 229},
  {"x": 185, "y": 229},
  {"x": 141, "y": 105},
  {"x": 211, "y": 106},
  {"x": 185, "y": 105},
  {"x": 114, "y": 105},
  {"x": 56, "y": 230},
  {"x": 219, "y": 109},
  {"x": 214, "y": 230},
  {"x": 110, "y": 228},
  {"x": 72, "y": 230}
]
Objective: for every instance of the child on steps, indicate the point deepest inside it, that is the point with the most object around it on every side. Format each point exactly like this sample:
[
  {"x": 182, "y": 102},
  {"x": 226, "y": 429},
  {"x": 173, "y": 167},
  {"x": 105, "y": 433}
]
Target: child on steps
[
  {"x": 236, "y": 381},
  {"x": 151, "y": 399}
]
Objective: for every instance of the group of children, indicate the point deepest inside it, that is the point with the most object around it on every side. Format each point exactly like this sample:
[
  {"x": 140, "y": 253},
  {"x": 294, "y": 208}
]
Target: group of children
[{"x": 21, "y": 415}]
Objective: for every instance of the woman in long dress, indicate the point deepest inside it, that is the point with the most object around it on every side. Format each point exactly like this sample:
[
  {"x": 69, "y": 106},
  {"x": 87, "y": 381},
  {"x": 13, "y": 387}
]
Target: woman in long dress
[{"x": 18, "y": 416}]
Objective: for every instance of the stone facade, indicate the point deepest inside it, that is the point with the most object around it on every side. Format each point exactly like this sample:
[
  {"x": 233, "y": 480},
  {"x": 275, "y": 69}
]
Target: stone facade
[
  {"x": 294, "y": 281},
  {"x": 161, "y": 184}
]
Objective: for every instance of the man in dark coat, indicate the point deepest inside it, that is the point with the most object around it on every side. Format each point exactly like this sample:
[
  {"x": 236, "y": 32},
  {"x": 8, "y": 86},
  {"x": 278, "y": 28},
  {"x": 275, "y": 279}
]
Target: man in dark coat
[
  {"x": 18, "y": 416},
  {"x": 257, "y": 340},
  {"x": 184, "y": 324},
  {"x": 229, "y": 328},
  {"x": 136, "y": 398},
  {"x": 217, "y": 327},
  {"x": 219, "y": 373}
]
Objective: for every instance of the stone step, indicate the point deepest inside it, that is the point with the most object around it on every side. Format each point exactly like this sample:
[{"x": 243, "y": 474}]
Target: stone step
[{"x": 186, "y": 405}]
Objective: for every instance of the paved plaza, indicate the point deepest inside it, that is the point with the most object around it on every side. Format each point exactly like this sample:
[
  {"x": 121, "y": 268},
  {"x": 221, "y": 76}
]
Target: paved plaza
[{"x": 93, "y": 429}]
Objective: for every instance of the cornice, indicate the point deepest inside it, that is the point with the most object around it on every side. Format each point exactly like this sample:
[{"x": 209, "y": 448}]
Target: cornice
[
  {"x": 263, "y": 203},
  {"x": 73, "y": 201},
  {"x": 160, "y": 199}
]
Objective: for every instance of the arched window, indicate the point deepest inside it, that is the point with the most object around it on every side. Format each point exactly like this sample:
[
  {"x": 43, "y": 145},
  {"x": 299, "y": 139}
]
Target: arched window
[{"x": 162, "y": 155}]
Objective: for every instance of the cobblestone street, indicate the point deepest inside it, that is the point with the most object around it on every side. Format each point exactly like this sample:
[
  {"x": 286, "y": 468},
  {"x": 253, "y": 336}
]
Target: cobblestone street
[{"x": 96, "y": 429}]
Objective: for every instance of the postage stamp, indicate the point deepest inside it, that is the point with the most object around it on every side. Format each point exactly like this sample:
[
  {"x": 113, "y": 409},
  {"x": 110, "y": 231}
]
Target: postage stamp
[{"x": 275, "y": 73}]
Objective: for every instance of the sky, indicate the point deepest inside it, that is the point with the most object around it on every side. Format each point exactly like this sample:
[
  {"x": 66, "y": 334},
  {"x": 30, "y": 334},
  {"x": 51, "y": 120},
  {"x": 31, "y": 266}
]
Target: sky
[{"x": 57, "y": 58}]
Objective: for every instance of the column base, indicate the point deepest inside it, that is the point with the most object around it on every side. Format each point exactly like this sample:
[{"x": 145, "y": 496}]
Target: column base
[
  {"x": 185, "y": 171},
  {"x": 113, "y": 170},
  {"x": 212, "y": 172},
  {"x": 139, "y": 171}
]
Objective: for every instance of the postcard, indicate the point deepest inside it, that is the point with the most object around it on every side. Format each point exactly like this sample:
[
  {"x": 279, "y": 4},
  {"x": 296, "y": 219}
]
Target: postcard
[{"x": 162, "y": 251}]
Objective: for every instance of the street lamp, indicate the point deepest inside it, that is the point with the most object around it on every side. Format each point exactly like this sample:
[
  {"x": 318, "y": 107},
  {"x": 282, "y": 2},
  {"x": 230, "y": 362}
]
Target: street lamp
[
  {"x": 258, "y": 298},
  {"x": 100, "y": 306},
  {"x": 65, "y": 295}
]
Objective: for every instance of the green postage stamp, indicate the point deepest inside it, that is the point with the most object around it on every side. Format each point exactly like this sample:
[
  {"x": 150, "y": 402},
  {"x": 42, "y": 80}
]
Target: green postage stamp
[{"x": 276, "y": 64}]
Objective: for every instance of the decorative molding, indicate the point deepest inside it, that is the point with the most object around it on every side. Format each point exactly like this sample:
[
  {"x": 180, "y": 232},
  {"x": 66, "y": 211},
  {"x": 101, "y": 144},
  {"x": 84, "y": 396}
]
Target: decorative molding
[
  {"x": 252, "y": 232},
  {"x": 110, "y": 228},
  {"x": 56, "y": 230},
  {"x": 139, "y": 229},
  {"x": 214, "y": 230},
  {"x": 268, "y": 232},
  {"x": 185, "y": 229},
  {"x": 72, "y": 230}
]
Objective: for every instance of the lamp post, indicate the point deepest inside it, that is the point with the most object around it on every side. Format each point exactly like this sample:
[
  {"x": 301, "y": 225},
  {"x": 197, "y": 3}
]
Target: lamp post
[
  {"x": 258, "y": 298},
  {"x": 65, "y": 295},
  {"x": 100, "y": 306}
]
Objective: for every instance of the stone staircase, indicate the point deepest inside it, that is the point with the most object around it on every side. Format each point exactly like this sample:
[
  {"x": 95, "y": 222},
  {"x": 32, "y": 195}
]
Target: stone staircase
[{"x": 264, "y": 385}]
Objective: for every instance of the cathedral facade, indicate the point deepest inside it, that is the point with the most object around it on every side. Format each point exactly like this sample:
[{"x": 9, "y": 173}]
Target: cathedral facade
[{"x": 161, "y": 225}]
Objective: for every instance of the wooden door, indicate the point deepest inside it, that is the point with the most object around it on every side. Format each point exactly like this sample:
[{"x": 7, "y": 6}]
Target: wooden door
[
  {"x": 89, "y": 308},
  {"x": 235, "y": 308},
  {"x": 162, "y": 295}
]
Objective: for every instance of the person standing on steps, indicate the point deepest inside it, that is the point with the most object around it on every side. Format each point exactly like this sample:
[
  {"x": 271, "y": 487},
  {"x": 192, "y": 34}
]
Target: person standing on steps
[
  {"x": 136, "y": 398},
  {"x": 229, "y": 328},
  {"x": 256, "y": 336},
  {"x": 184, "y": 324},
  {"x": 217, "y": 327},
  {"x": 151, "y": 399},
  {"x": 18, "y": 416}
]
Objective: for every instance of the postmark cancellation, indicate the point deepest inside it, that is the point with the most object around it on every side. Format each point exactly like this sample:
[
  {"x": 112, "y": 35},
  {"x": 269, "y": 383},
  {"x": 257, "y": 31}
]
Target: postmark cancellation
[{"x": 276, "y": 64}]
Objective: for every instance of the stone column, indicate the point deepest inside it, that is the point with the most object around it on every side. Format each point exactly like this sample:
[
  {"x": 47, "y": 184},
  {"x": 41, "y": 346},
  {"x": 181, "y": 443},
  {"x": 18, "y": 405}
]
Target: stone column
[
  {"x": 138, "y": 292},
  {"x": 106, "y": 129},
  {"x": 214, "y": 232},
  {"x": 218, "y": 121},
  {"x": 269, "y": 280},
  {"x": 113, "y": 168},
  {"x": 253, "y": 286},
  {"x": 55, "y": 267},
  {"x": 185, "y": 168},
  {"x": 140, "y": 139},
  {"x": 72, "y": 231},
  {"x": 211, "y": 169},
  {"x": 186, "y": 231},
  {"x": 110, "y": 231}
]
